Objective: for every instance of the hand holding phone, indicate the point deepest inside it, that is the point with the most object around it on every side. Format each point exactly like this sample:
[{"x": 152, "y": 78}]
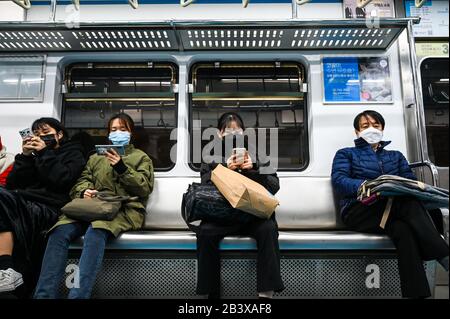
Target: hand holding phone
[
  {"x": 248, "y": 163},
  {"x": 239, "y": 153},
  {"x": 242, "y": 158},
  {"x": 103, "y": 149},
  {"x": 26, "y": 134},
  {"x": 112, "y": 153},
  {"x": 112, "y": 156}
]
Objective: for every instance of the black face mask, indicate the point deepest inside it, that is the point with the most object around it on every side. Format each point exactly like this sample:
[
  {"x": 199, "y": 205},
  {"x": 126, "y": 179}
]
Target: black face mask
[{"x": 49, "y": 140}]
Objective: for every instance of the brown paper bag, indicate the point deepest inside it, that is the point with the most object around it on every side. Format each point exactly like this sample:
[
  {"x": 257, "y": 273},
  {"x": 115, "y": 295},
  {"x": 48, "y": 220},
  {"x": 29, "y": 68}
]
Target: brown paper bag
[{"x": 244, "y": 193}]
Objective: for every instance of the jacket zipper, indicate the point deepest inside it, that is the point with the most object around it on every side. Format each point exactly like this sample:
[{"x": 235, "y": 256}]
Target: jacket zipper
[{"x": 380, "y": 163}]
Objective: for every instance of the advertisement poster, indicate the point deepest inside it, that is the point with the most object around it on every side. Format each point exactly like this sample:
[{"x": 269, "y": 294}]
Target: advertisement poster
[
  {"x": 358, "y": 80},
  {"x": 434, "y": 18},
  {"x": 377, "y": 8},
  {"x": 438, "y": 48}
]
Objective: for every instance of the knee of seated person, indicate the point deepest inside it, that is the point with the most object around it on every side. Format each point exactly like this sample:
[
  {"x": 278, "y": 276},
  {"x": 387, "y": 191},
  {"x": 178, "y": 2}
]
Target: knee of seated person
[
  {"x": 97, "y": 233},
  {"x": 267, "y": 227},
  {"x": 209, "y": 238},
  {"x": 412, "y": 207},
  {"x": 62, "y": 232},
  {"x": 400, "y": 229},
  {"x": 409, "y": 202},
  {"x": 59, "y": 233}
]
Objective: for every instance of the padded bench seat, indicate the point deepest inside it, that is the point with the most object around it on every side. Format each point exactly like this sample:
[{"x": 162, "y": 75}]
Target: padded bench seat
[{"x": 289, "y": 240}]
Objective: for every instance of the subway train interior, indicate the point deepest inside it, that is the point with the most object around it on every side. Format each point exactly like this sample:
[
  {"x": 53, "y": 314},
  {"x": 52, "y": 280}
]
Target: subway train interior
[{"x": 176, "y": 67}]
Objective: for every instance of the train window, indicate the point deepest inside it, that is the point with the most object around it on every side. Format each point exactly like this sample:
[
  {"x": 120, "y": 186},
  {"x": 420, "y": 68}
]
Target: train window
[
  {"x": 269, "y": 97},
  {"x": 22, "y": 78},
  {"x": 435, "y": 88},
  {"x": 145, "y": 91}
]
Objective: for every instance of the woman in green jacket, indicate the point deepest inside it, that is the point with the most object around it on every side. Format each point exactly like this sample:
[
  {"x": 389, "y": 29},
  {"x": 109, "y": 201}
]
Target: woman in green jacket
[{"x": 130, "y": 175}]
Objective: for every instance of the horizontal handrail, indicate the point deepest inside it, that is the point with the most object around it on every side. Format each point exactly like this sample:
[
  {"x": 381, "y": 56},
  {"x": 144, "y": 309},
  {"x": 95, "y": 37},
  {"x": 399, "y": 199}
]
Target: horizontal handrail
[{"x": 248, "y": 96}]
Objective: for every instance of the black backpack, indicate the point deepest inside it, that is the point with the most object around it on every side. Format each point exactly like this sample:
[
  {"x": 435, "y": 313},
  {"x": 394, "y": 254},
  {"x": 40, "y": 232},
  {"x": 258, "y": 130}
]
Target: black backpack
[{"x": 205, "y": 202}]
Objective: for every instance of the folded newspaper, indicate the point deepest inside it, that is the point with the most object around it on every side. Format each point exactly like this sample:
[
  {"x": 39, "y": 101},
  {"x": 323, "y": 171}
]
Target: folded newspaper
[{"x": 391, "y": 186}]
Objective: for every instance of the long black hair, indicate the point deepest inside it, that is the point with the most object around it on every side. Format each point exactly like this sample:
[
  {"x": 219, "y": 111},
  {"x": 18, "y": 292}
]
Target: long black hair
[
  {"x": 226, "y": 118},
  {"x": 53, "y": 123}
]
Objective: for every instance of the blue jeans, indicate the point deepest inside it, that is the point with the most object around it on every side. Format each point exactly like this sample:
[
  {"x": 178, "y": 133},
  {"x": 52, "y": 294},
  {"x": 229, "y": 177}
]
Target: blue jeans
[{"x": 55, "y": 259}]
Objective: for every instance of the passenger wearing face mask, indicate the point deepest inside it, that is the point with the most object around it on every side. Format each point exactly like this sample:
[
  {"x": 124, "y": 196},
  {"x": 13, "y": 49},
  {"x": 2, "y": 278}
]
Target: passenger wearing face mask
[
  {"x": 36, "y": 188},
  {"x": 132, "y": 175},
  {"x": 264, "y": 231},
  {"x": 409, "y": 225}
]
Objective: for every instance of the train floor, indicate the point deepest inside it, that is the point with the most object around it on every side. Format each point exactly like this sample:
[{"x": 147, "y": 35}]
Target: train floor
[
  {"x": 441, "y": 292},
  {"x": 441, "y": 289}
]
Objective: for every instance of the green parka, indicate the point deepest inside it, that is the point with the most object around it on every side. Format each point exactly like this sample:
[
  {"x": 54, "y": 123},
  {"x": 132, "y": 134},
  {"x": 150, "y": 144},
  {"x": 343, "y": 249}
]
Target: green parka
[{"x": 137, "y": 180}]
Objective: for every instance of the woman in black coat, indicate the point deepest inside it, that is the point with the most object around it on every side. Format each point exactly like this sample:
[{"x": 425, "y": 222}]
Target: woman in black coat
[
  {"x": 264, "y": 231},
  {"x": 37, "y": 187}
]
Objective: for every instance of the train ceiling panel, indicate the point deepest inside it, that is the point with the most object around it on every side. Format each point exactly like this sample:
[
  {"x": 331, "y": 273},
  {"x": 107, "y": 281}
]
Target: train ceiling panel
[
  {"x": 116, "y": 39},
  {"x": 276, "y": 39},
  {"x": 199, "y": 36}
]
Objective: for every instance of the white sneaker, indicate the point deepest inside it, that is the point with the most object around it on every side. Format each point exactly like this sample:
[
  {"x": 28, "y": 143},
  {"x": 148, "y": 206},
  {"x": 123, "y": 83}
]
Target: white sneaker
[{"x": 10, "y": 280}]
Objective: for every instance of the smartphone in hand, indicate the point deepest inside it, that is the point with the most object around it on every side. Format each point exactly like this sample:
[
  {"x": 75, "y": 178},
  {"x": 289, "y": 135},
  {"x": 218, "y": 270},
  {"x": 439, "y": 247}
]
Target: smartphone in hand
[
  {"x": 240, "y": 155},
  {"x": 102, "y": 149},
  {"x": 26, "y": 134}
]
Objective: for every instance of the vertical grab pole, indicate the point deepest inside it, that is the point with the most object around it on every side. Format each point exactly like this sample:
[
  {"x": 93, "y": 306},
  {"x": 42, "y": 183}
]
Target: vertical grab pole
[
  {"x": 52, "y": 10},
  {"x": 294, "y": 9},
  {"x": 420, "y": 109}
]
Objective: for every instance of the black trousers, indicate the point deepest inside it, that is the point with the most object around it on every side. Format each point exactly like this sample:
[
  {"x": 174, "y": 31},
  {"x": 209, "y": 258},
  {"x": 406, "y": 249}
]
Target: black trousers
[
  {"x": 268, "y": 257},
  {"x": 413, "y": 233},
  {"x": 28, "y": 221}
]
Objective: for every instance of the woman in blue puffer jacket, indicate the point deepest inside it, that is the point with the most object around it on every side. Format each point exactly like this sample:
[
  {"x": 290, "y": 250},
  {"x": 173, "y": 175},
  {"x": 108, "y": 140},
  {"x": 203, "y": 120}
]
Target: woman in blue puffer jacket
[{"x": 409, "y": 225}]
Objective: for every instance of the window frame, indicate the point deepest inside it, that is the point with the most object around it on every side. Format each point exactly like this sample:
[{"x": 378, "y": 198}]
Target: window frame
[
  {"x": 306, "y": 143},
  {"x": 175, "y": 68},
  {"x": 428, "y": 138},
  {"x": 43, "y": 82}
]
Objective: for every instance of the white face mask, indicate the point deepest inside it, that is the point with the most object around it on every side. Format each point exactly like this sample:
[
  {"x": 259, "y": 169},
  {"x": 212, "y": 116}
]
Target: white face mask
[
  {"x": 231, "y": 131},
  {"x": 371, "y": 135}
]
